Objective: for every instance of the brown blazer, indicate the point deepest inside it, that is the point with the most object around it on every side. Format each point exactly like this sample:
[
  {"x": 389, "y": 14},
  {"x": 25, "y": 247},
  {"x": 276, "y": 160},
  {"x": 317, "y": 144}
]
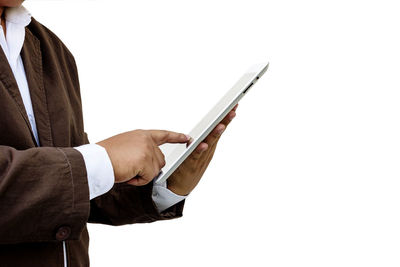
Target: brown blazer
[{"x": 44, "y": 196}]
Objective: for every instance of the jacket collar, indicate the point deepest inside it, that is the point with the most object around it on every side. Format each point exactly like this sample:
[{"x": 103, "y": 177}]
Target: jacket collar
[
  {"x": 9, "y": 82},
  {"x": 32, "y": 58}
]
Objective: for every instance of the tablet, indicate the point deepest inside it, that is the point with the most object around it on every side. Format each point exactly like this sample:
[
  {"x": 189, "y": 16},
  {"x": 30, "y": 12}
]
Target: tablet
[{"x": 211, "y": 120}]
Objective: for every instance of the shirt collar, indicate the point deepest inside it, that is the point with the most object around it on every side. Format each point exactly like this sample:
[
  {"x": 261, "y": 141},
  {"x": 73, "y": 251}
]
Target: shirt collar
[{"x": 18, "y": 15}]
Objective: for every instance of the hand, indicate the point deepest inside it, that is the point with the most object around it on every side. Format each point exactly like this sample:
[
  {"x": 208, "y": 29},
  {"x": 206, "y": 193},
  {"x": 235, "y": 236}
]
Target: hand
[
  {"x": 135, "y": 155},
  {"x": 189, "y": 173}
]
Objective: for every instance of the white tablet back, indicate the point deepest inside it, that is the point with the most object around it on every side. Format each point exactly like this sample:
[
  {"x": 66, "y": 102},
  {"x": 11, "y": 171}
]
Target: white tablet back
[{"x": 211, "y": 120}]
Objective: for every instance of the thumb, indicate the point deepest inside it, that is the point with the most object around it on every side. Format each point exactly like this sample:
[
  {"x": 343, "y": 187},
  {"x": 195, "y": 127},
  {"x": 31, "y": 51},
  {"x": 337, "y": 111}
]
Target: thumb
[{"x": 161, "y": 137}]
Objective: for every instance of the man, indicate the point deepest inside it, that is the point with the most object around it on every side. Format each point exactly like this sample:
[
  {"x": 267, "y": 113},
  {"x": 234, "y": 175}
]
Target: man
[{"x": 52, "y": 181}]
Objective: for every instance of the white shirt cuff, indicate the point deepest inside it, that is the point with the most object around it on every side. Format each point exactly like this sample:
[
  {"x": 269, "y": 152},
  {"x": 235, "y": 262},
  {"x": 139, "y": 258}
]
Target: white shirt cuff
[
  {"x": 164, "y": 198},
  {"x": 100, "y": 173}
]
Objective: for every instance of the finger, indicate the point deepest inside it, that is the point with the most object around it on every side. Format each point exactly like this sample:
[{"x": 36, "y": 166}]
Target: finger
[
  {"x": 137, "y": 181},
  {"x": 235, "y": 107},
  {"x": 143, "y": 177},
  {"x": 162, "y": 136},
  {"x": 214, "y": 136},
  {"x": 229, "y": 117},
  {"x": 220, "y": 128},
  {"x": 199, "y": 151},
  {"x": 134, "y": 181},
  {"x": 209, "y": 144},
  {"x": 189, "y": 142}
]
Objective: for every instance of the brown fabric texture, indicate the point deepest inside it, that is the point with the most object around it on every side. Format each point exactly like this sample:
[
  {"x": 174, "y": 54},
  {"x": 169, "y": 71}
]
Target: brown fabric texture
[{"x": 44, "y": 195}]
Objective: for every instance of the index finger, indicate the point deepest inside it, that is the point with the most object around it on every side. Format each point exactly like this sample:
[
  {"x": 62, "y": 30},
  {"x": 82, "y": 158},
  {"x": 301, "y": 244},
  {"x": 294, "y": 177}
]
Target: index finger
[{"x": 162, "y": 136}]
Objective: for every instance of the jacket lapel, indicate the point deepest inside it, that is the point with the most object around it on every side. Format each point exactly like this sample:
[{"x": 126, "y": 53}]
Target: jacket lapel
[
  {"x": 9, "y": 82},
  {"x": 32, "y": 58}
]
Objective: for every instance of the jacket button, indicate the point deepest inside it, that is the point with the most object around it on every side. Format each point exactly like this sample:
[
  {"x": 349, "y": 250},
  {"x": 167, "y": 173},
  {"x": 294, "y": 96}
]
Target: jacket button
[{"x": 63, "y": 233}]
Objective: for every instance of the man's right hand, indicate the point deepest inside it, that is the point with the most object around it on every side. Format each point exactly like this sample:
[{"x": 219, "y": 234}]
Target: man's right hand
[{"x": 135, "y": 155}]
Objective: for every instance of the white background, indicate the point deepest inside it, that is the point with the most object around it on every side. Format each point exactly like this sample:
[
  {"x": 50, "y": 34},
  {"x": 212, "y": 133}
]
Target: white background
[{"x": 308, "y": 172}]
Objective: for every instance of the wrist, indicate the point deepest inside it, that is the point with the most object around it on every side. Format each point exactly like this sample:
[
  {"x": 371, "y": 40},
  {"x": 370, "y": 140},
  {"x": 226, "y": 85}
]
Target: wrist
[{"x": 173, "y": 187}]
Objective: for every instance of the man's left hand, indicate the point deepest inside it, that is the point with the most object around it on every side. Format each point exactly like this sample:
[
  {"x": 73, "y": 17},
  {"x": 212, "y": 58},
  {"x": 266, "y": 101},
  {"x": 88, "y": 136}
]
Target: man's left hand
[{"x": 189, "y": 173}]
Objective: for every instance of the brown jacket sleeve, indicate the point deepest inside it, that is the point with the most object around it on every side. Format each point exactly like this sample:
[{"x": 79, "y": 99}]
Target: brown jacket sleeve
[
  {"x": 41, "y": 189},
  {"x": 126, "y": 204}
]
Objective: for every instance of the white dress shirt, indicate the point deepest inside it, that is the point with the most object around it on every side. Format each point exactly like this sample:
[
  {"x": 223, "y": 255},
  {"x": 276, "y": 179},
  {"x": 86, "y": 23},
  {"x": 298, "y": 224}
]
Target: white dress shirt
[{"x": 100, "y": 172}]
